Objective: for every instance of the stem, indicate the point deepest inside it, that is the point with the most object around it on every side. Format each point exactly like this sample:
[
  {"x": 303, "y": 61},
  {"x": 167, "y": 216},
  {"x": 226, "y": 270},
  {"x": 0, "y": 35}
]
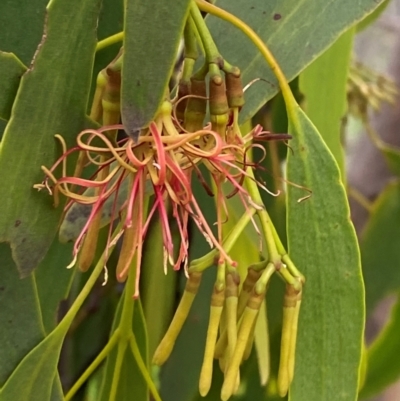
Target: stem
[
  {"x": 262, "y": 283},
  {"x": 206, "y": 261},
  {"x": 290, "y": 101},
  {"x": 142, "y": 367},
  {"x": 70, "y": 315},
  {"x": 266, "y": 222},
  {"x": 212, "y": 53},
  {"x": 190, "y": 39},
  {"x": 111, "y": 40},
  {"x": 124, "y": 325},
  {"x": 117, "y": 370}
]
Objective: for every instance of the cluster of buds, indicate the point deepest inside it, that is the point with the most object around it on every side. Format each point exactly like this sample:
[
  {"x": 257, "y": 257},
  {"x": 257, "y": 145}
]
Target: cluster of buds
[
  {"x": 129, "y": 181},
  {"x": 366, "y": 88},
  {"x": 234, "y": 311}
]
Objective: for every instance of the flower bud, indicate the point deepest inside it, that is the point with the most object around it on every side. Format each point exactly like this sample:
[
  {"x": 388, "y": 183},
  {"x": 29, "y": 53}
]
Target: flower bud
[
  {"x": 217, "y": 303},
  {"x": 166, "y": 346}
]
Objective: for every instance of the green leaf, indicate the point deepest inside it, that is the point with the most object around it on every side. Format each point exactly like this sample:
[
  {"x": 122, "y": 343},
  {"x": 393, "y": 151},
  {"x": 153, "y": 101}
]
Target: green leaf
[
  {"x": 153, "y": 30},
  {"x": 11, "y": 72},
  {"x": 33, "y": 379},
  {"x": 53, "y": 269},
  {"x": 22, "y": 27},
  {"x": 324, "y": 84},
  {"x": 380, "y": 247},
  {"x": 51, "y": 100},
  {"x": 26, "y": 381},
  {"x": 323, "y": 244},
  {"x": 296, "y": 31},
  {"x": 2, "y": 127},
  {"x": 383, "y": 357},
  {"x": 21, "y": 325}
]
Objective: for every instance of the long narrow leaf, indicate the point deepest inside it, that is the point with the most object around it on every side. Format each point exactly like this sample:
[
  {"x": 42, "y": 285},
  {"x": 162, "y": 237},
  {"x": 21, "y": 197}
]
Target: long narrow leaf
[
  {"x": 323, "y": 244},
  {"x": 152, "y": 33},
  {"x": 51, "y": 100}
]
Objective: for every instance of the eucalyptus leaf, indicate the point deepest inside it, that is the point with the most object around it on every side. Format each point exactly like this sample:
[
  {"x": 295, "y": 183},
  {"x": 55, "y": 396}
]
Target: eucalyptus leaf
[
  {"x": 296, "y": 31},
  {"x": 152, "y": 34},
  {"x": 324, "y": 86},
  {"x": 22, "y": 27},
  {"x": 383, "y": 362},
  {"x": 33, "y": 379},
  {"x": 51, "y": 99},
  {"x": 11, "y": 72},
  {"x": 21, "y": 325},
  {"x": 380, "y": 247},
  {"x": 53, "y": 269},
  {"x": 323, "y": 244}
]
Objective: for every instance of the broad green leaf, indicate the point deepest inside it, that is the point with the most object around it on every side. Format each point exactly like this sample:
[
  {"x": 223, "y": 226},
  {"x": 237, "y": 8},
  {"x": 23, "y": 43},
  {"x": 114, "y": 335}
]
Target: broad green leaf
[
  {"x": 323, "y": 244},
  {"x": 130, "y": 379},
  {"x": 153, "y": 30},
  {"x": 22, "y": 27},
  {"x": 383, "y": 357},
  {"x": 11, "y": 72},
  {"x": 34, "y": 377},
  {"x": 57, "y": 391},
  {"x": 380, "y": 247},
  {"x": 324, "y": 86},
  {"x": 53, "y": 269},
  {"x": 51, "y": 100},
  {"x": 21, "y": 324},
  {"x": 296, "y": 31}
]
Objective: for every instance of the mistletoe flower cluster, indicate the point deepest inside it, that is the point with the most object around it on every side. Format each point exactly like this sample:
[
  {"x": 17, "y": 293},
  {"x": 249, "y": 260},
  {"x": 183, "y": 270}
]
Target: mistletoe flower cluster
[
  {"x": 125, "y": 183},
  {"x": 161, "y": 163}
]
